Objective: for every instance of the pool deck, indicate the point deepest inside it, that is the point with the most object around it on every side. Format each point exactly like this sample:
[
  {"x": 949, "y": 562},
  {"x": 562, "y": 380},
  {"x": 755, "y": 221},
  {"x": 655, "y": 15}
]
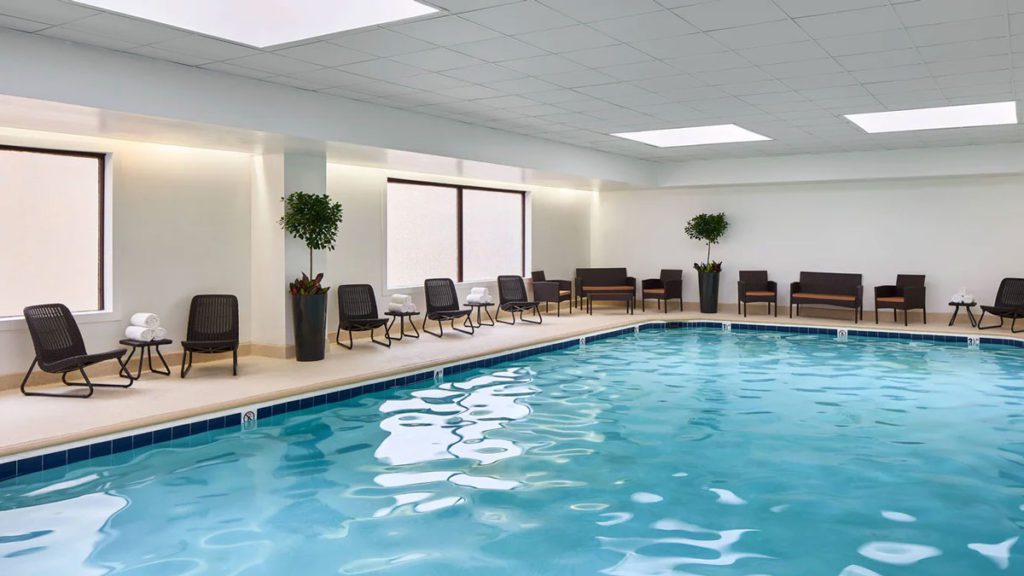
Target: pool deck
[{"x": 34, "y": 424}]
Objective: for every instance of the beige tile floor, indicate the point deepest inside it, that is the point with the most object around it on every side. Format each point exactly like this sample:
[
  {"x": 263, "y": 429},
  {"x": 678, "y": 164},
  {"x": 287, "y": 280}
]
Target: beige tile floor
[{"x": 32, "y": 424}]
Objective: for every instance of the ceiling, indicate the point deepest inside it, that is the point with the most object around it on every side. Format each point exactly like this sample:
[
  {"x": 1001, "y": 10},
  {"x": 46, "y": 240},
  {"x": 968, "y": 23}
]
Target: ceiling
[{"x": 576, "y": 70}]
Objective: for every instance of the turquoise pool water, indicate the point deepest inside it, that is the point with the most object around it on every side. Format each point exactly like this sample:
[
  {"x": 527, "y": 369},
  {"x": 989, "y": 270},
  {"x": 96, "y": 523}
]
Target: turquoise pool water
[{"x": 671, "y": 452}]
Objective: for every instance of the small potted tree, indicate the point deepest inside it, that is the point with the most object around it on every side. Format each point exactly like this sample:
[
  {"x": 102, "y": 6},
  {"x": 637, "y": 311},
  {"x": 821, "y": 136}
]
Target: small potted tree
[
  {"x": 708, "y": 228},
  {"x": 314, "y": 219}
]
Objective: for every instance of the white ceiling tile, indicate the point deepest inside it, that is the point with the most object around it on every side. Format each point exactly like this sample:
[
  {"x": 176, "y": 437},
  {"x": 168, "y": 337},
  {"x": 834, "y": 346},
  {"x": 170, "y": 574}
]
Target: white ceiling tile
[
  {"x": 557, "y": 96},
  {"x": 431, "y": 82},
  {"x": 974, "y": 78},
  {"x": 444, "y": 31},
  {"x": 924, "y": 12},
  {"x": 202, "y": 47},
  {"x": 639, "y": 70},
  {"x": 866, "y": 43},
  {"x": 851, "y": 22},
  {"x": 755, "y": 88},
  {"x": 329, "y": 77},
  {"x": 567, "y": 39},
  {"x": 607, "y": 56},
  {"x": 87, "y": 38},
  {"x": 779, "y": 53},
  {"x": 733, "y": 76},
  {"x": 766, "y": 34},
  {"x": 125, "y": 29},
  {"x": 798, "y": 8},
  {"x": 237, "y": 70},
  {"x": 381, "y": 42},
  {"x": 299, "y": 83},
  {"x": 273, "y": 63},
  {"x": 470, "y": 92},
  {"x": 959, "y": 50},
  {"x": 588, "y": 105},
  {"x": 152, "y": 52},
  {"x": 820, "y": 81},
  {"x": 985, "y": 63},
  {"x": 772, "y": 98},
  {"x": 642, "y": 27},
  {"x": 594, "y": 10},
  {"x": 832, "y": 92},
  {"x": 53, "y": 12},
  {"x": 961, "y": 31},
  {"x": 325, "y": 54},
  {"x": 804, "y": 68},
  {"x": 524, "y": 85},
  {"x": 972, "y": 93},
  {"x": 908, "y": 72},
  {"x": 880, "y": 59},
  {"x": 577, "y": 78},
  {"x": 724, "y": 14},
  {"x": 21, "y": 24},
  {"x": 483, "y": 73},
  {"x": 896, "y": 86},
  {"x": 674, "y": 47},
  {"x": 539, "y": 110},
  {"x": 671, "y": 84},
  {"x": 382, "y": 69},
  {"x": 457, "y": 6},
  {"x": 550, "y": 64},
  {"x": 498, "y": 49},
  {"x": 706, "y": 62},
  {"x": 507, "y": 101},
  {"x": 437, "y": 59},
  {"x": 519, "y": 18}
]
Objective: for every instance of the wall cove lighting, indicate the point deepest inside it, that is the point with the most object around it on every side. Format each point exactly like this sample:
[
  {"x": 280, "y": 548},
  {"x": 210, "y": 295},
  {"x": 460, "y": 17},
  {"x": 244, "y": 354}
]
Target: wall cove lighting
[
  {"x": 263, "y": 23},
  {"x": 694, "y": 136},
  {"x": 994, "y": 114}
]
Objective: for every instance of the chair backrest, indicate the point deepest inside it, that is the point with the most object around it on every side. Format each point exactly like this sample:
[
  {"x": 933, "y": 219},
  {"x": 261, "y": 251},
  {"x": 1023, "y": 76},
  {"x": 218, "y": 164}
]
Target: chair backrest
[
  {"x": 511, "y": 289},
  {"x": 1011, "y": 293},
  {"x": 213, "y": 318},
  {"x": 669, "y": 275},
  {"x": 538, "y": 276},
  {"x": 754, "y": 279},
  {"x": 357, "y": 302},
  {"x": 54, "y": 332},
  {"x": 601, "y": 276},
  {"x": 905, "y": 280},
  {"x": 829, "y": 282},
  {"x": 441, "y": 295}
]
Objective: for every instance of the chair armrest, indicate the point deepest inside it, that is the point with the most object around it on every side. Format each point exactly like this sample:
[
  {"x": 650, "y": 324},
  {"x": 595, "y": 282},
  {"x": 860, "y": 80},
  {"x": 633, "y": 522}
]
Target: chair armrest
[
  {"x": 674, "y": 288},
  {"x": 860, "y": 293},
  {"x": 741, "y": 288},
  {"x": 631, "y": 281},
  {"x": 914, "y": 295},
  {"x": 546, "y": 291},
  {"x": 794, "y": 287},
  {"x": 652, "y": 283},
  {"x": 886, "y": 291},
  {"x": 771, "y": 285},
  {"x": 563, "y": 284}
]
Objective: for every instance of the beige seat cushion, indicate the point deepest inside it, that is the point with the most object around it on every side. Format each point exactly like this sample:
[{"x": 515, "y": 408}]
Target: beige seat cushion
[
  {"x": 760, "y": 293},
  {"x": 654, "y": 291},
  {"x": 836, "y": 297},
  {"x": 892, "y": 299},
  {"x": 607, "y": 288},
  {"x": 564, "y": 292}
]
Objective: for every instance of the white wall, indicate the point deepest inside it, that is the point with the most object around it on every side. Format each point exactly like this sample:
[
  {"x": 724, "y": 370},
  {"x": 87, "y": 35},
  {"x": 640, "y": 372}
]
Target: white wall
[
  {"x": 958, "y": 231},
  {"x": 180, "y": 227}
]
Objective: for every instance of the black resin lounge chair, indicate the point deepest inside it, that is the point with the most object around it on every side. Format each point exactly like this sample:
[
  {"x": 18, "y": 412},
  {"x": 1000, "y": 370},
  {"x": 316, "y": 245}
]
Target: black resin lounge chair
[
  {"x": 1009, "y": 304},
  {"x": 61, "y": 350},
  {"x": 212, "y": 329},
  {"x": 512, "y": 298},
  {"x": 443, "y": 305},
  {"x": 668, "y": 286},
  {"x": 754, "y": 286},
  {"x": 907, "y": 294},
  {"x": 357, "y": 312},
  {"x": 552, "y": 292}
]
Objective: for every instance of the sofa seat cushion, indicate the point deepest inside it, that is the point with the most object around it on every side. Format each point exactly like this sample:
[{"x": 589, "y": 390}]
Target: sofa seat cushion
[
  {"x": 816, "y": 296},
  {"x": 892, "y": 299},
  {"x": 623, "y": 288},
  {"x": 759, "y": 293},
  {"x": 565, "y": 293},
  {"x": 654, "y": 290}
]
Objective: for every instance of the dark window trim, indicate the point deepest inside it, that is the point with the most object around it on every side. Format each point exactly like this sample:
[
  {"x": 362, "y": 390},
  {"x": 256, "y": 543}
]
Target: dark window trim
[
  {"x": 101, "y": 161},
  {"x": 459, "y": 188}
]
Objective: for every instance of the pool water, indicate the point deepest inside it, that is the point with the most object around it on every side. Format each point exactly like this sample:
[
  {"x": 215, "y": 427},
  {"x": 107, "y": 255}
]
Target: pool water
[{"x": 691, "y": 451}]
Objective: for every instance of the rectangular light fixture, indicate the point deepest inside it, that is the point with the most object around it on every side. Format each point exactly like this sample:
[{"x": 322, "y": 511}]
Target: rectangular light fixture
[
  {"x": 263, "y": 23},
  {"x": 694, "y": 136},
  {"x": 992, "y": 114}
]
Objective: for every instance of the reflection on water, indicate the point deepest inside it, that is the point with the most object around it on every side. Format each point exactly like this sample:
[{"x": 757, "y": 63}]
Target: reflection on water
[{"x": 675, "y": 453}]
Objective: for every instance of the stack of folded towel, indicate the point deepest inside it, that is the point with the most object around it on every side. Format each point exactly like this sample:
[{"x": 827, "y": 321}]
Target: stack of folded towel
[
  {"x": 962, "y": 296},
  {"x": 479, "y": 295},
  {"x": 145, "y": 326},
  {"x": 401, "y": 303}
]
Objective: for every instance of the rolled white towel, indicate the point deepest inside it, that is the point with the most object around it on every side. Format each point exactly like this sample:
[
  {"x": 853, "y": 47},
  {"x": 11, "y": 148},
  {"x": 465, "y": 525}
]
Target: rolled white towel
[
  {"x": 409, "y": 307},
  {"x": 395, "y": 307},
  {"x": 478, "y": 290},
  {"x": 401, "y": 298},
  {"x": 145, "y": 319},
  {"x": 159, "y": 333},
  {"x": 139, "y": 333}
]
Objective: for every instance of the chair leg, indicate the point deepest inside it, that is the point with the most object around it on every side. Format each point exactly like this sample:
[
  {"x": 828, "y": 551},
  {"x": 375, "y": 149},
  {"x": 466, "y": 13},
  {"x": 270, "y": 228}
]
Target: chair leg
[
  {"x": 905, "y": 319},
  {"x": 924, "y": 314},
  {"x": 386, "y": 335},
  {"x": 536, "y": 312},
  {"x": 876, "y": 313},
  {"x": 643, "y": 304},
  {"x": 1013, "y": 326},
  {"x": 167, "y": 369},
  {"x": 186, "y": 363},
  {"x": 980, "y": 327},
  {"x": 439, "y": 325},
  {"x": 24, "y": 391},
  {"x": 468, "y": 323},
  {"x": 342, "y": 344},
  {"x": 497, "y": 317},
  {"x": 123, "y": 372},
  {"x": 234, "y": 362}
]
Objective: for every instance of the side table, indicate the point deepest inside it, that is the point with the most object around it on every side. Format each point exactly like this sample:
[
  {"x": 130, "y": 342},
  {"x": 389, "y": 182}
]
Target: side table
[
  {"x": 145, "y": 347},
  {"x": 401, "y": 316},
  {"x": 478, "y": 306},
  {"x": 970, "y": 313}
]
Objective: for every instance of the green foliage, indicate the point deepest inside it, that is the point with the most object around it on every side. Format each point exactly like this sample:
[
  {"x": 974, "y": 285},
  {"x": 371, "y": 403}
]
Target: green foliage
[
  {"x": 708, "y": 228},
  {"x": 314, "y": 219}
]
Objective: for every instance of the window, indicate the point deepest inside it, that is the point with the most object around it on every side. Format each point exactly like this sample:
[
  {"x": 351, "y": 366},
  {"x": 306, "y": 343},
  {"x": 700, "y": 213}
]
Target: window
[
  {"x": 465, "y": 233},
  {"x": 52, "y": 202}
]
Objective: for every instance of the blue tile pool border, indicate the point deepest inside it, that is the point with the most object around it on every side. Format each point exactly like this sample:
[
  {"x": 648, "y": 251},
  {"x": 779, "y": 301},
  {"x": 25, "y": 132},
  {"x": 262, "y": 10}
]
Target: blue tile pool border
[{"x": 20, "y": 465}]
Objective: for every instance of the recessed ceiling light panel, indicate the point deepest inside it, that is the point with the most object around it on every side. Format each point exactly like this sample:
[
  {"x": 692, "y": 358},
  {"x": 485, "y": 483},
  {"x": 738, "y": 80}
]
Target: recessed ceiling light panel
[
  {"x": 694, "y": 136},
  {"x": 263, "y": 23},
  {"x": 992, "y": 114}
]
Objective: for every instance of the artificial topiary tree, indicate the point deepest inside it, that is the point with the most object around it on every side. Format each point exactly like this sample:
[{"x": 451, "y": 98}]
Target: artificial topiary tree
[
  {"x": 314, "y": 219},
  {"x": 708, "y": 228}
]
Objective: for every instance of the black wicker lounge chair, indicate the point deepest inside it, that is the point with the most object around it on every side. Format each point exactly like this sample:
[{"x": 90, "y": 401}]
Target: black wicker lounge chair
[
  {"x": 1009, "y": 304},
  {"x": 668, "y": 286},
  {"x": 212, "y": 329},
  {"x": 512, "y": 298},
  {"x": 357, "y": 312},
  {"x": 754, "y": 286},
  {"x": 552, "y": 292},
  {"x": 443, "y": 305},
  {"x": 61, "y": 350},
  {"x": 907, "y": 294}
]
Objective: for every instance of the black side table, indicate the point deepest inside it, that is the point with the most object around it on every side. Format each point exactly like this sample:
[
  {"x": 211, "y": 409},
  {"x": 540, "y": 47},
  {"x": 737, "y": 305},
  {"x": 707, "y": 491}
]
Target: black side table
[
  {"x": 401, "y": 316},
  {"x": 478, "y": 306},
  {"x": 146, "y": 346},
  {"x": 970, "y": 313}
]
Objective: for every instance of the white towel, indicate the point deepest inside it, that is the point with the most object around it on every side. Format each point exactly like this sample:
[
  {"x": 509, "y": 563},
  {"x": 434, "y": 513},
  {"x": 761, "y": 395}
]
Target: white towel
[
  {"x": 159, "y": 333},
  {"x": 478, "y": 290},
  {"x": 478, "y": 299},
  {"x": 404, "y": 308},
  {"x": 139, "y": 333},
  {"x": 401, "y": 299},
  {"x": 145, "y": 319}
]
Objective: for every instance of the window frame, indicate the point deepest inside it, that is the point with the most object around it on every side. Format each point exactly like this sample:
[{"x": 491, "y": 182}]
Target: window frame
[
  {"x": 459, "y": 188},
  {"x": 101, "y": 272}
]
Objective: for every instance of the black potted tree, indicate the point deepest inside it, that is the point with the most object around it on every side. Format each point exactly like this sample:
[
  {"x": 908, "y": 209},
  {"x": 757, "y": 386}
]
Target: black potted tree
[
  {"x": 314, "y": 219},
  {"x": 708, "y": 228}
]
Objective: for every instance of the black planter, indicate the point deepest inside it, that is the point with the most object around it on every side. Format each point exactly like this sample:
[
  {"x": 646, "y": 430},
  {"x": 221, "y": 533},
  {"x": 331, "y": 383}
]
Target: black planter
[
  {"x": 309, "y": 320},
  {"x": 708, "y": 284}
]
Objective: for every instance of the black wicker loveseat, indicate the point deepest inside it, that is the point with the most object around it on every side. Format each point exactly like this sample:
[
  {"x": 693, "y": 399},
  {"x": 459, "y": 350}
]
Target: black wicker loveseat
[
  {"x": 605, "y": 284},
  {"x": 830, "y": 289}
]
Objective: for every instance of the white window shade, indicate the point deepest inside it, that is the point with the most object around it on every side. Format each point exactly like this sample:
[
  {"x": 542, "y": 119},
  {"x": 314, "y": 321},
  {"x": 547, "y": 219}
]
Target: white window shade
[
  {"x": 52, "y": 204},
  {"x": 422, "y": 237},
  {"x": 492, "y": 234}
]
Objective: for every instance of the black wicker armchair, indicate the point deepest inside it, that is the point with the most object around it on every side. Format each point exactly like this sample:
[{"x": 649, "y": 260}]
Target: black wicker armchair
[
  {"x": 907, "y": 294},
  {"x": 443, "y": 305},
  {"x": 552, "y": 292},
  {"x": 754, "y": 286},
  {"x": 1009, "y": 304},
  {"x": 60, "y": 350},
  {"x": 668, "y": 286},
  {"x": 512, "y": 298},
  {"x": 212, "y": 329},
  {"x": 357, "y": 312}
]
